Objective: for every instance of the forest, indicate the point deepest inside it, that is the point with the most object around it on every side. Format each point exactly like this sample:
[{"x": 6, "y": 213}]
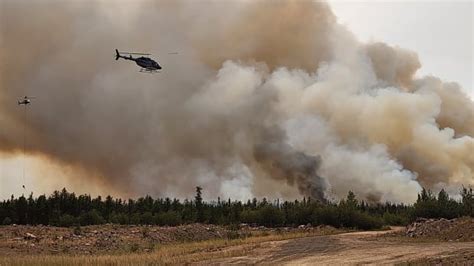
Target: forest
[{"x": 65, "y": 209}]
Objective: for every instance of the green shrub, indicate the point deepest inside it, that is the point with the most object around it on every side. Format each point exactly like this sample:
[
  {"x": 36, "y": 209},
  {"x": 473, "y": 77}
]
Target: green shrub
[
  {"x": 7, "y": 221},
  {"x": 170, "y": 218},
  {"x": 67, "y": 220},
  {"x": 271, "y": 216},
  {"x": 118, "y": 218},
  {"x": 250, "y": 216},
  {"x": 364, "y": 221},
  {"x": 146, "y": 218},
  {"x": 395, "y": 219},
  {"x": 91, "y": 217},
  {"x": 327, "y": 215},
  {"x": 134, "y": 219}
]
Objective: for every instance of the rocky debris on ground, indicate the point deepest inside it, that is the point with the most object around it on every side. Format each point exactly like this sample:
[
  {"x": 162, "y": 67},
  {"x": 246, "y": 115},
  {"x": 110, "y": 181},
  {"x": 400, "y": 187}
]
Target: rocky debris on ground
[
  {"x": 460, "y": 229},
  {"x": 110, "y": 238},
  {"x": 29, "y": 236},
  {"x": 97, "y": 239}
]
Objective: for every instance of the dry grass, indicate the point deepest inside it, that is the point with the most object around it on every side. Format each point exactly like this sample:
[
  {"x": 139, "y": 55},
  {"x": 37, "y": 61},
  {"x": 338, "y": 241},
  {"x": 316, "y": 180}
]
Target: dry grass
[{"x": 180, "y": 253}]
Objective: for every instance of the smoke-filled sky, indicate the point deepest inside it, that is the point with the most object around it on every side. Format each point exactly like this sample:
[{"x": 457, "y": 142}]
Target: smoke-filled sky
[
  {"x": 265, "y": 98},
  {"x": 441, "y": 32}
]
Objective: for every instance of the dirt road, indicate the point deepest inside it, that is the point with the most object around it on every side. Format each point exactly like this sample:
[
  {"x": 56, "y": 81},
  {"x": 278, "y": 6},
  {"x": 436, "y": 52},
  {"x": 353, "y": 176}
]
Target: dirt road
[{"x": 352, "y": 248}]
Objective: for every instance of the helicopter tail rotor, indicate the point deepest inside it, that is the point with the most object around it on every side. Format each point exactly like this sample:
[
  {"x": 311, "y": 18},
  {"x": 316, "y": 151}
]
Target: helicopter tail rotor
[{"x": 117, "y": 54}]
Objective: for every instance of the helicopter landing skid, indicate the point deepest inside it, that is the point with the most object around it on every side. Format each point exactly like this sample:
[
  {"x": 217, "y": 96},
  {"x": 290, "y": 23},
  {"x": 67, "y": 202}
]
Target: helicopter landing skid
[{"x": 144, "y": 70}]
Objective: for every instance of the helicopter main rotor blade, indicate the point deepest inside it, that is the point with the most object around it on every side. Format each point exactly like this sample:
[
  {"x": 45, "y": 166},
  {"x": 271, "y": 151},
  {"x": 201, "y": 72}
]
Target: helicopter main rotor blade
[{"x": 134, "y": 53}]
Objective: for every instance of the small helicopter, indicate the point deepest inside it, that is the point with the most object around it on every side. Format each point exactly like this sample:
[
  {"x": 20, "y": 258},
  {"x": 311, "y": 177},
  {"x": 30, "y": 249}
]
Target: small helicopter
[
  {"x": 147, "y": 64},
  {"x": 25, "y": 100}
]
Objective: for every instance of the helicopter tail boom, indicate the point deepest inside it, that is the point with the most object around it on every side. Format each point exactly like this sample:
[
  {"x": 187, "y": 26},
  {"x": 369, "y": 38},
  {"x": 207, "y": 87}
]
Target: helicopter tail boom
[{"x": 121, "y": 55}]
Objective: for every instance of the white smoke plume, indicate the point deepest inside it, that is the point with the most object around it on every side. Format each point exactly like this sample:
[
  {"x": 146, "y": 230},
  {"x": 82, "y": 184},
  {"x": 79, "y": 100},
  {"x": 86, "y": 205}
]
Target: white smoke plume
[{"x": 266, "y": 98}]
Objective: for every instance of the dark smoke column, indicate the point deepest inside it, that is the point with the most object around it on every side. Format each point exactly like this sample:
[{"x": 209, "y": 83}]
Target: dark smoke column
[{"x": 283, "y": 162}]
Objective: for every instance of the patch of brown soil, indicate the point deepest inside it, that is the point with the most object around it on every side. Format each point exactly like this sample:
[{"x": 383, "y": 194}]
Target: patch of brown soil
[{"x": 354, "y": 249}]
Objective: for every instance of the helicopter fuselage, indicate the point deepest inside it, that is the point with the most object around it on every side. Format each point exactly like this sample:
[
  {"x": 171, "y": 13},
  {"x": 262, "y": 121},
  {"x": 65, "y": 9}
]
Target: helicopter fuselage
[
  {"x": 25, "y": 102},
  {"x": 147, "y": 63}
]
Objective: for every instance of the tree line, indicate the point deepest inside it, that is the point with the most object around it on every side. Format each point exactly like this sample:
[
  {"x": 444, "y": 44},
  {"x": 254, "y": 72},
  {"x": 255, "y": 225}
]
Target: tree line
[{"x": 63, "y": 208}]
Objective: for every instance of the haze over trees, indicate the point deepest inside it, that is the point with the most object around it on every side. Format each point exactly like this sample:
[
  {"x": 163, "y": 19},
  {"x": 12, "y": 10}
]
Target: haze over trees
[{"x": 63, "y": 208}]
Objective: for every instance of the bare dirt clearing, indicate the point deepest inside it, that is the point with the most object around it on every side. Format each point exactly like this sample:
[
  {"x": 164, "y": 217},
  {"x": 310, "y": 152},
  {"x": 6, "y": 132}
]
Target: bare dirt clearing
[
  {"x": 120, "y": 239},
  {"x": 20, "y": 247},
  {"x": 355, "y": 248},
  {"x": 425, "y": 241}
]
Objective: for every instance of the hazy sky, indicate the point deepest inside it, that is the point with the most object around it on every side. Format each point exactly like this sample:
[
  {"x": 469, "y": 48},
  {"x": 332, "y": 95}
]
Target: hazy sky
[{"x": 441, "y": 32}]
